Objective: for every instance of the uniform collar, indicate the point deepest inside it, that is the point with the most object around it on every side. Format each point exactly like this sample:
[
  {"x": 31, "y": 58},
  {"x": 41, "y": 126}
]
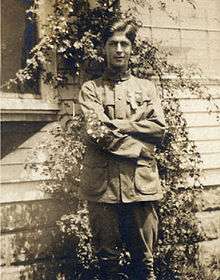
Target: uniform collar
[{"x": 110, "y": 74}]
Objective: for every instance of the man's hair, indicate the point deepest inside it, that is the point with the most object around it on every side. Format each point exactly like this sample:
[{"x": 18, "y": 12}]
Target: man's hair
[{"x": 128, "y": 27}]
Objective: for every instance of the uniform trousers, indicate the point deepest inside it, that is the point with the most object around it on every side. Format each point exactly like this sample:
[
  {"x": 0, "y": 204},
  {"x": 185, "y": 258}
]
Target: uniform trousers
[{"x": 133, "y": 225}]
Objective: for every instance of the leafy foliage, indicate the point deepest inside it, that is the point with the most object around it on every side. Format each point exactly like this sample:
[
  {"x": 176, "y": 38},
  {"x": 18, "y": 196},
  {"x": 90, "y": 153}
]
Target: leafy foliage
[{"x": 73, "y": 30}]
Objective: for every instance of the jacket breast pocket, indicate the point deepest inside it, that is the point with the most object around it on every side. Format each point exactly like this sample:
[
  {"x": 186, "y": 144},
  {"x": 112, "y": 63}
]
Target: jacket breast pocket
[{"x": 146, "y": 177}]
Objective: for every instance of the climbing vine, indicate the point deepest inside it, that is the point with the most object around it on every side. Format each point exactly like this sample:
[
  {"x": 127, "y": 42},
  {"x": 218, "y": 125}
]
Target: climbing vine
[{"x": 73, "y": 32}]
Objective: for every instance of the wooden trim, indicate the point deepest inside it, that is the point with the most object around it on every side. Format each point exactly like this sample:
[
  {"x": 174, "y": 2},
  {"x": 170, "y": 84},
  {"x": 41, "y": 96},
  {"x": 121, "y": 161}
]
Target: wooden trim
[
  {"x": 48, "y": 93},
  {"x": 34, "y": 107},
  {"x": 181, "y": 28},
  {"x": 30, "y": 117},
  {"x": 213, "y": 80},
  {"x": 20, "y": 108}
]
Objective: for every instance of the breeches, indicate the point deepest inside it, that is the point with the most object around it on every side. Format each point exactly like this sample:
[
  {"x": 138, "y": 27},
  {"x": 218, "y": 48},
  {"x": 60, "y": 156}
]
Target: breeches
[{"x": 133, "y": 225}]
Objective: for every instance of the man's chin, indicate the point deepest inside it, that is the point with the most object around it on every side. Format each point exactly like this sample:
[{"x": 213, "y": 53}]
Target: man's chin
[{"x": 119, "y": 66}]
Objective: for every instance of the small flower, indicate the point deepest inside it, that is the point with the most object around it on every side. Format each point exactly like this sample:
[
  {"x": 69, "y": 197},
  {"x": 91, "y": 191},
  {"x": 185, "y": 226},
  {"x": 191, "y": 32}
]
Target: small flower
[{"x": 89, "y": 131}]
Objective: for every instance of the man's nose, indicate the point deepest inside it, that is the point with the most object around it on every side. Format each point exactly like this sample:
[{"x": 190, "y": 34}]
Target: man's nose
[{"x": 119, "y": 47}]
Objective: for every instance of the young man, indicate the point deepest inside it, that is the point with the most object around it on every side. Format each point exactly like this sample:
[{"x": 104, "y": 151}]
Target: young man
[{"x": 120, "y": 179}]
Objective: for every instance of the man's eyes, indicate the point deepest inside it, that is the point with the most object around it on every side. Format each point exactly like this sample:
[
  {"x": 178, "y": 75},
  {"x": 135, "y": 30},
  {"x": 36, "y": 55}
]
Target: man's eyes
[
  {"x": 115, "y": 44},
  {"x": 125, "y": 44}
]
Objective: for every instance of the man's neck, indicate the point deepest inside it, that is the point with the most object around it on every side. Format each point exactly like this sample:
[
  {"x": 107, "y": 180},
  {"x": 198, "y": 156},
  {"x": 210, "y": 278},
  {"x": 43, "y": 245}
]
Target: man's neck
[
  {"x": 117, "y": 73},
  {"x": 117, "y": 70}
]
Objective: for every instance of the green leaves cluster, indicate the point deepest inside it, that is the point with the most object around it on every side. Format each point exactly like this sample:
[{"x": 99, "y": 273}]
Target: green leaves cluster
[{"x": 74, "y": 32}]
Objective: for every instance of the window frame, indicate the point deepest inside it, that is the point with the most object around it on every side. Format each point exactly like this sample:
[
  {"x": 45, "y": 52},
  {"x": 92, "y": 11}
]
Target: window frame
[{"x": 28, "y": 106}]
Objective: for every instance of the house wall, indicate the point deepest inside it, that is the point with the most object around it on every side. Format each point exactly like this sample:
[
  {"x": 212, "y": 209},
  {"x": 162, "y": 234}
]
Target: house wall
[
  {"x": 193, "y": 37},
  {"x": 29, "y": 215}
]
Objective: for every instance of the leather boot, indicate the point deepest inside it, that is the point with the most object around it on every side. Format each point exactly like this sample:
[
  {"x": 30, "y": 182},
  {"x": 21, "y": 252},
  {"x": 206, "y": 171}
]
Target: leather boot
[
  {"x": 141, "y": 272},
  {"x": 111, "y": 270}
]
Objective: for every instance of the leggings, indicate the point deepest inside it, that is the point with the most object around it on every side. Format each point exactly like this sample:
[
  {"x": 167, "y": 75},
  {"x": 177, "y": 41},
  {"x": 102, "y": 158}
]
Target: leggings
[{"x": 133, "y": 225}]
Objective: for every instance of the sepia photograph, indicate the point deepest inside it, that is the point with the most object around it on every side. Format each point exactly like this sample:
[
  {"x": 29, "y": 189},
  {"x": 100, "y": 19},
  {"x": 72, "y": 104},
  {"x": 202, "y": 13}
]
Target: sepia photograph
[{"x": 110, "y": 140}]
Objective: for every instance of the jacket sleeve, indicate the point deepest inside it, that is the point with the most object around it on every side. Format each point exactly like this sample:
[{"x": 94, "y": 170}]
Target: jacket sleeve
[
  {"x": 148, "y": 122},
  {"x": 114, "y": 141}
]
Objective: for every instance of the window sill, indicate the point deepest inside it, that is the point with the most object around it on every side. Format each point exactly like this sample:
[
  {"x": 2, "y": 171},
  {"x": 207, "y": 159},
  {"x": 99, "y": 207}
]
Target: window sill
[{"x": 27, "y": 107}]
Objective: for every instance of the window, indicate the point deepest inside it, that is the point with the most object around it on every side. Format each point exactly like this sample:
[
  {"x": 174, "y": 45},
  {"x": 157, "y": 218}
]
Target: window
[
  {"x": 18, "y": 36},
  {"x": 33, "y": 101}
]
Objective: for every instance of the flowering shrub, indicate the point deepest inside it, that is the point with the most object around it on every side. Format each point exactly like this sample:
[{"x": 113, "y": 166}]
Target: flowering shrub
[{"x": 74, "y": 31}]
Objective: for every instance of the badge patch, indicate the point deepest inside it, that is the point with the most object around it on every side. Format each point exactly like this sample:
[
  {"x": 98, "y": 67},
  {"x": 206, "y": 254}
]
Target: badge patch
[
  {"x": 139, "y": 97},
  {"x": 135, "y": 99},
  {"x": 131, "y": 100}
]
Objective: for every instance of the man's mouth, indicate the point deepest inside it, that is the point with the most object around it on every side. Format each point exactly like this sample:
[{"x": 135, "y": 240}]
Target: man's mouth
[{"x": 119, "y": 57}]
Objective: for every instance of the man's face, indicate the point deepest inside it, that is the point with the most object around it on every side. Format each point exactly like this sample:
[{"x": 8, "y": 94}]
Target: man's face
[{"x": 118, "y": 51}]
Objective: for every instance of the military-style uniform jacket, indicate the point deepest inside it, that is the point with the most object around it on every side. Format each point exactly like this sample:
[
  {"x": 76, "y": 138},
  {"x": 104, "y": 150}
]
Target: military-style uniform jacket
[{"x": 124, "y": 169}]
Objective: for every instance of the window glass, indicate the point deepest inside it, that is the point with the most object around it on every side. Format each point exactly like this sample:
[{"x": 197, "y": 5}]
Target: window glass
[{"x": 18, "y": 36}]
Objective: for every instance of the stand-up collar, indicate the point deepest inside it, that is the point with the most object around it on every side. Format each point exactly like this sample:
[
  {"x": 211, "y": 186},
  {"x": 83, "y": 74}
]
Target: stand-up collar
[{"x": 112, "y": 75}]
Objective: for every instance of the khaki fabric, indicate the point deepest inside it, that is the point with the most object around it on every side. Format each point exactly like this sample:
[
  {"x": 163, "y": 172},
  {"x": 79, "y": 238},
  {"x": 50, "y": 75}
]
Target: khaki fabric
[
  {"x": 121, "y": 167},
  {"x": 131, "y": 225}
]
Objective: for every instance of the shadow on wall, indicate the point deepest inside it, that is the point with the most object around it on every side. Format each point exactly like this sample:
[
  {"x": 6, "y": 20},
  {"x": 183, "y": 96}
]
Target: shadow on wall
[
  {"x": 33, "y": 248},
  {"x": 13, "y": 134}
]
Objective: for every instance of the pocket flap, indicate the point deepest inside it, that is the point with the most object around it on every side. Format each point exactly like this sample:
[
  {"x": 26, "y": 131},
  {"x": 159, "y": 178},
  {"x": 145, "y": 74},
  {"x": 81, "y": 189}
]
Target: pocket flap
[
  {"x": 146, "y": 177},
  {"x": 146, "y": 162}
]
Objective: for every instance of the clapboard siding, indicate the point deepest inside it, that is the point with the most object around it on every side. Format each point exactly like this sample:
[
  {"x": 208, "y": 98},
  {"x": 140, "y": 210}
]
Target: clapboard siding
[
  {"x": 209, "y": 223},
  {"x": 30, "y": 246},
  {"x": 206, "y": 146},
  {"x": 16, "y": 191},
  {"x": 211, "y": 161},
  {"x": 210, "y": 177},
  {"x": 209, "y": 199},
  {"x": 49, "y": 269},
  {"x": 210, "y": 255},
  {"x": 15, "y": 163},
  {"x": 24, "y": 155},
  {"x": 39, "y": 137},
  {"x": 19, "y": 172},
  {"x": 30, "y": 232},
  {"x": 30, "y": 215},
  {"x": 198, "y": 105},
  {"x": 206, "y": 132},
  {"x": 202, "y": 119}
]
